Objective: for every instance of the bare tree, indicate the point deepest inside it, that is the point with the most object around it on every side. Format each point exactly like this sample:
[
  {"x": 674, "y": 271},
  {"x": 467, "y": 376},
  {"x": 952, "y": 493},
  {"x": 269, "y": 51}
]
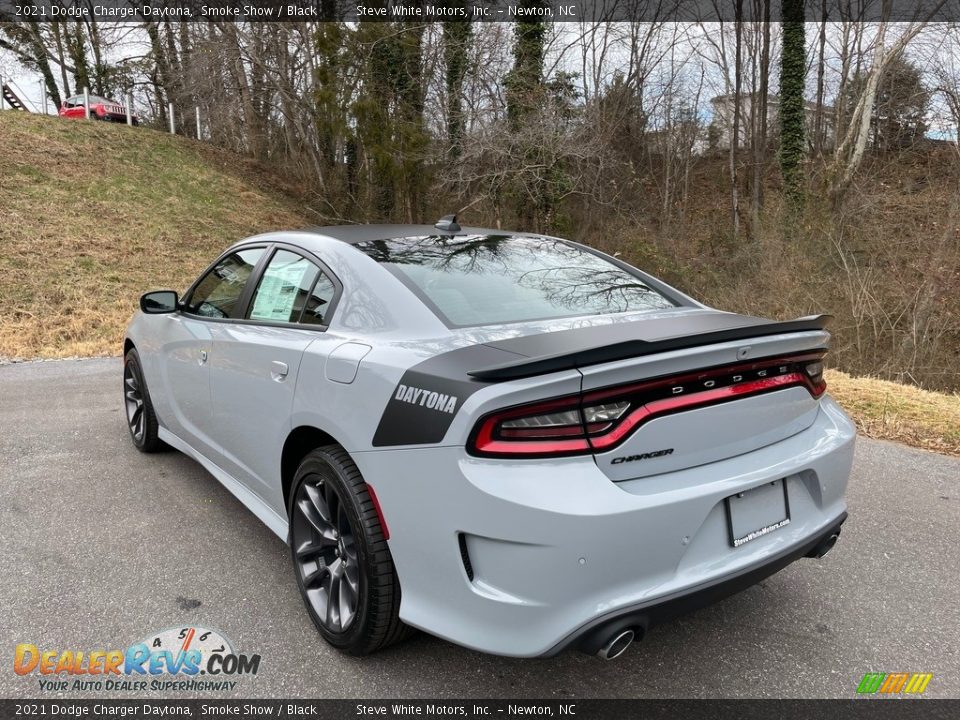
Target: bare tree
[{"x": 887, "y": 44}]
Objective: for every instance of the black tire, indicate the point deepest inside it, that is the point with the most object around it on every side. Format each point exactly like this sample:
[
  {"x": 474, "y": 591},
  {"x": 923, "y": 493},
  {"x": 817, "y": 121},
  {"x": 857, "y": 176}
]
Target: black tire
[
  {"x": 138, "y": 409},
  {"x": 335, "y": 533}
]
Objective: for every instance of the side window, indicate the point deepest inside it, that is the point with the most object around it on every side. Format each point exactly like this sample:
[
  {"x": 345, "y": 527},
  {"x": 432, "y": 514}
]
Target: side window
[
  {"x": 217, "y": 293},
  {"x": 318, "y": 302},
  {"x": 288, "y": 290}
]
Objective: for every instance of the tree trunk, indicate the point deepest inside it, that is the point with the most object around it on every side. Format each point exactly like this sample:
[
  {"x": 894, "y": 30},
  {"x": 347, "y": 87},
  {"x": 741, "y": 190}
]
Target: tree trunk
[
  {"x": 849, "y": 153},
  {"x": 524, "y": 91},
  {"x": 456, "y": 37},
  {"x": 162, "y": 84},
  {"x": 818, "y": 129},
  {"x": 99, "y": 70},
  {"x": 792, "y": 110},
  {"x": 760, "y": 143},
  {"x": 251, "y": 121},
  {"x": 61, "y": 57},
  {"x": 737, "y": 101},
  {"x": 77, "y": 52}
]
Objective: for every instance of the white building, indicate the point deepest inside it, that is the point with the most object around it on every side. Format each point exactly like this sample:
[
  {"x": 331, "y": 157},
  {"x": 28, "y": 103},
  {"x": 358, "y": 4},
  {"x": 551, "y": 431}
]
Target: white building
[{"x": 721, "y": 128}]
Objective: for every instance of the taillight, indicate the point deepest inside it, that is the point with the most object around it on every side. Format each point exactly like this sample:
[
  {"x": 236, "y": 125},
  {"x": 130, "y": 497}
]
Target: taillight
[
  {"x": 814, "y": 371},
  {"x": 601, "y": 419},
  {"x": 543, "y": 429}
]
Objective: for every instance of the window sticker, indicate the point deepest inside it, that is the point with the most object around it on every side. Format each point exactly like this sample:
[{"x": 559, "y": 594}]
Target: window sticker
[{"x": 281, "y": 284}]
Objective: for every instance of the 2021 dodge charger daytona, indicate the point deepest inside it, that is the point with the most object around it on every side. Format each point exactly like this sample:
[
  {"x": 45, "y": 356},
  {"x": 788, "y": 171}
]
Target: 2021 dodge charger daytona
[{"x": 508, "y": 440}]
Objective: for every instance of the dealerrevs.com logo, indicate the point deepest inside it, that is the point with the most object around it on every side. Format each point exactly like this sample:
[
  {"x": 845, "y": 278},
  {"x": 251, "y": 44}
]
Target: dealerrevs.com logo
[{"x": 187, "y": 659}]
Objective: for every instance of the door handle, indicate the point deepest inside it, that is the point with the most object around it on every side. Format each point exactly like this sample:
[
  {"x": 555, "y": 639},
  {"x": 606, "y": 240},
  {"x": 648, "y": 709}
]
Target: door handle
[
  {"x": 278, "y": 370},
  {"x": 203, "y": 356}
]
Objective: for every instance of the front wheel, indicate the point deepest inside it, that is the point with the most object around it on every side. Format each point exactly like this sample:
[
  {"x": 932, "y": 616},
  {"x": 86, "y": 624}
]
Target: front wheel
[
  {"x": 141, "y": 419},
  {"x": 340, "y": 557}
]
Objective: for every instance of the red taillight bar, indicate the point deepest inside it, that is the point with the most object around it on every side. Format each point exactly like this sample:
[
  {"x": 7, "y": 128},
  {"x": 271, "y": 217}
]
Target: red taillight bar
[
  {"x": 486, "y": 440},
  {"x": 708, "y": 397}
]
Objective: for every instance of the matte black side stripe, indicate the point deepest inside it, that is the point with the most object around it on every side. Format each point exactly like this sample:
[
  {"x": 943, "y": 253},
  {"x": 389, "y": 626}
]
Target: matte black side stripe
[{"x": 430, "y": 394}]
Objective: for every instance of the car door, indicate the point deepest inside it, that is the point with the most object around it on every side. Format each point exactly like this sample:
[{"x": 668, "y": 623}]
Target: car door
[
  {"x": 186, "y": 343},
  {"x": 70, "y": 108},
  {"x": 254, "y": 365}
]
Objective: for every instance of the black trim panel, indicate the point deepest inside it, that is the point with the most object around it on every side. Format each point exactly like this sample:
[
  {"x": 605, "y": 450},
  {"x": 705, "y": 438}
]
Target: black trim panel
[
  {"x": 569, "y": 349},
  {"x": 591, "y": 637}
]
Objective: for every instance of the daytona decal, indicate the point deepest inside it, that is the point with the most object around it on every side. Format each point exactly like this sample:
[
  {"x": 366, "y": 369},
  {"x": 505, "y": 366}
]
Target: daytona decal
[{"x": 426, "y": 398}]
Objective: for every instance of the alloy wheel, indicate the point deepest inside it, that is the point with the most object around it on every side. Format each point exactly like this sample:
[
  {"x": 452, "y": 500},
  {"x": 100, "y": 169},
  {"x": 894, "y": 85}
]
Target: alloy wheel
[
  {"x": 325, "y": 552},
  {"x": 133, "y": 400}
]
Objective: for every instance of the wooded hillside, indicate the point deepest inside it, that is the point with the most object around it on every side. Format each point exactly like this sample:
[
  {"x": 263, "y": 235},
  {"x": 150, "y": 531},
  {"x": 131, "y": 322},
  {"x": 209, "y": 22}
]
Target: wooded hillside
[{"x": 778, "y": 168}]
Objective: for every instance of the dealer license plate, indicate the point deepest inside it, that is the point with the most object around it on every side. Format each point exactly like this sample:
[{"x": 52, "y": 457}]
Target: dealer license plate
[{"x": 757, "y": 512}]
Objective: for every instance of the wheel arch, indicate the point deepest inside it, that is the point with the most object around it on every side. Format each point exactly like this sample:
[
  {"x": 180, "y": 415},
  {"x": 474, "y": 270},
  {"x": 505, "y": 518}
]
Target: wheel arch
[
  {"x": 299, "y": 442},
  {"x": 127, "y": 346}
]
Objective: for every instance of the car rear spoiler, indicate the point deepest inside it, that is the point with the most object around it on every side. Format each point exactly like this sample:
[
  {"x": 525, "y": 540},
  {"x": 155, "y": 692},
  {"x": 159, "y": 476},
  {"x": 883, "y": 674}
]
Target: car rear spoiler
[{"x": 569, "y": 349}]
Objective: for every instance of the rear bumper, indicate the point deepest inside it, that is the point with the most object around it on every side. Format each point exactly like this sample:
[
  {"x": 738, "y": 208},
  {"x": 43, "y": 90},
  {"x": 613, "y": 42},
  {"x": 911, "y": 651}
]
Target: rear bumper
[
  {"x": 591, "y": 637},
  {"x": 556, "y": 549}
]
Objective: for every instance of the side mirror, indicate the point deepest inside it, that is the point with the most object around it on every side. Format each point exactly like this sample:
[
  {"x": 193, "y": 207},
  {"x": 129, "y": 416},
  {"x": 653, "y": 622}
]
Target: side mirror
[{"x": 159, "y": 302}]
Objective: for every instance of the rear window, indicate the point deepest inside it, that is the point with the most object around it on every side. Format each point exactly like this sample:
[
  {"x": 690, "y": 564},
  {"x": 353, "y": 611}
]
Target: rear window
[{"x": 491, "y": 279}]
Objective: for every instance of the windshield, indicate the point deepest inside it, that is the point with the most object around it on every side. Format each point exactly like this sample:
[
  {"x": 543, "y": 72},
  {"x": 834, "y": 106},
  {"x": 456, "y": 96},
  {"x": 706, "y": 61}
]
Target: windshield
[{"x": 492, "y": 279}]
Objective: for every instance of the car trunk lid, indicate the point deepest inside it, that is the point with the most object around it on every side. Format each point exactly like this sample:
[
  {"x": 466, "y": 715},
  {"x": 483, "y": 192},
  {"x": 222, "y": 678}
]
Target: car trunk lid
[
  {"x": 705, "y": 404},
  {"x": 671, "y": 393}
]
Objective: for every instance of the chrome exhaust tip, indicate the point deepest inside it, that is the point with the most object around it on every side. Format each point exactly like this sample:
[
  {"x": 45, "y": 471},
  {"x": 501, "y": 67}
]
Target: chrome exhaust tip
[{"x": 616, "y": 645}]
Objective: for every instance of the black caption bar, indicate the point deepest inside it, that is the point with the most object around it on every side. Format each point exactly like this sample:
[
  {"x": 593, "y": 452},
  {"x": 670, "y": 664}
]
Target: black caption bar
[
  {"x": 470, "y": 10},
  {"x": 484, "y": 709}
]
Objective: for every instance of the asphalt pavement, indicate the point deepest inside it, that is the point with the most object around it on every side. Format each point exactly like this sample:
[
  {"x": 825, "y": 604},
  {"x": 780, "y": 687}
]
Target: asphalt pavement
[{"x": 101, "y": 546}]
